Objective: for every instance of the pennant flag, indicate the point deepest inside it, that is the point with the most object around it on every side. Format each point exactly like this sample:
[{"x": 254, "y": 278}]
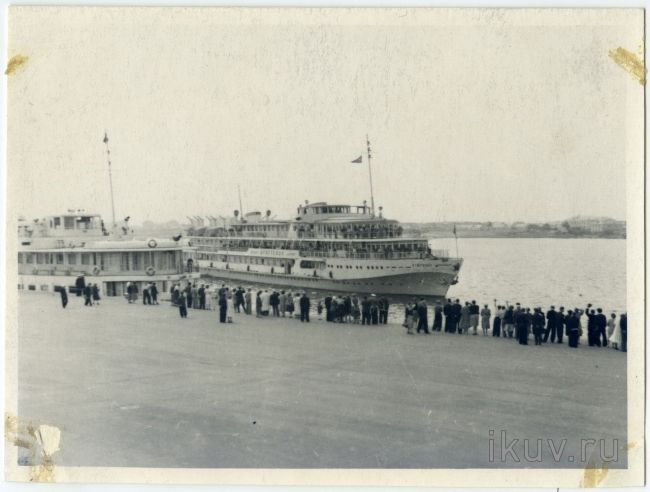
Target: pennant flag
[{"x": 357, "y": 160}]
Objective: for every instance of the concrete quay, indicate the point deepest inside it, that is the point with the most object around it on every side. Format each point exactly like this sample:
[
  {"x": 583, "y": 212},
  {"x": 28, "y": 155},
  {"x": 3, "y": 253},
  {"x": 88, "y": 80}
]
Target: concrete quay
[{"x": 134, "y": 385}]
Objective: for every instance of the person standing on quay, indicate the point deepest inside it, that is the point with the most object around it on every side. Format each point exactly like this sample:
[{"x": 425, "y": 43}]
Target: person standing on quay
[
  {"x": 365, "y": 310},
  {"x": 423, "y": 321},
  {"x": 248, "y": 299},
  {"x": 623, "y": 328},
  {"x": 521, "y": 324},
  {"x": 613, "y": 334},
  {"x": 64, "y": 295},
  {"x": 275, "y": 303},
  {"x": 80, "y": 284},
  {"x": 188, "y": 295},
  {"x": 457, "y": 312},
  {"x": 473, "y": 316},
  {"x": 601, "y": 327},
  {"x": 437, "y": 317},
  {"x": 485, "y": 319},
  {"x": 572, "y": 329},
  {"x": 464, "y": 319},
  {"x": 230, "y": 308},
  {"x": 383, "y": 311},
  {"x": 290, "y": 305},
  {"x": 447, "y": 311},
  {"x": 153, "y": 290},
  {"x": 88, "y": 292},
  {"x": 223, "y": 308},
  {"x": 146, "y": 298},
  {"x": 266, "y": 302},
  {"x": 509, "y": 322},
  {"x": 560, "y": 320},
  {"x": 258, "y": 304},
  {"x": 201, "y": 293},
  {"x": 304, "y": 308},
  {"x": 593, "y": 336},
  {"x": 538, "y": 325},
  {"x": 95, "y": 291},
  {"x": 408, "y": 317},
  {"x": 283, "y": 303},
  {"x": 182, "y": 304},
  {"x": 551, "y": 325},
  {"x": 496, "y": 324}
]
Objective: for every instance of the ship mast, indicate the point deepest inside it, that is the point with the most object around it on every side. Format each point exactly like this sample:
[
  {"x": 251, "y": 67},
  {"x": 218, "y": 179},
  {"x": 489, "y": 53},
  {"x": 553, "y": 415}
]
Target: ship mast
[
  {"x": 241, "y": 211},
  {"x": 110, "y": 177},
  {"x": 372, "y": 196}
]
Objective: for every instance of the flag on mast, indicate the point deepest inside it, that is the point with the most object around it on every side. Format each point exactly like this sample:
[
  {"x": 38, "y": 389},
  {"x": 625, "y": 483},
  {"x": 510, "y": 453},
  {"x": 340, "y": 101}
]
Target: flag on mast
[{"x": 358, "y": 160}]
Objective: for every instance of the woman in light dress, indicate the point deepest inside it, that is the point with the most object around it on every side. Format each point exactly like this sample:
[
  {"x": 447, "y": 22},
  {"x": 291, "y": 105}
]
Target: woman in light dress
[
  {"x": 230, "y": 310},
  {"x": 613, "y": 332},
  {"x": 485, "y": 319},
  {"x": 464, "y": 319}
]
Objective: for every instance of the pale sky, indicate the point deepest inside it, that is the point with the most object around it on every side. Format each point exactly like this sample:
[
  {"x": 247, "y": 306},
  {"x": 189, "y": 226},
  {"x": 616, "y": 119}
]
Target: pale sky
[{"x": 498, "y": 116}]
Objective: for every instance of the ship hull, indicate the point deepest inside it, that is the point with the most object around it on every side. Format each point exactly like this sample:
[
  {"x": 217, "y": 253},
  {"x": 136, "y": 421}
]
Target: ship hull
[{"x": 421, "y": 284}]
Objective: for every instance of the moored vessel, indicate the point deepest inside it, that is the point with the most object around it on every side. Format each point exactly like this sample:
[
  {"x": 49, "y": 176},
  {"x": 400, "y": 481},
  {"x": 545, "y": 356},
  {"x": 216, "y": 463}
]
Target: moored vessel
[{"x": 334, "y": 247}]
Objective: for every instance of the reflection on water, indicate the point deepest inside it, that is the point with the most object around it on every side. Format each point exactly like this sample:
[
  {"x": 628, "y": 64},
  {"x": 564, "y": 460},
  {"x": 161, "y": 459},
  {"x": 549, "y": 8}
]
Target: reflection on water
[{"x": 534, "y": 272}]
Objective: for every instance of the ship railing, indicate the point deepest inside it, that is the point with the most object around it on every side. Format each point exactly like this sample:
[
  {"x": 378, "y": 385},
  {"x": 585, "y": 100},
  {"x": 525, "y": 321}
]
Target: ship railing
[{"x": 390, "y": 255}]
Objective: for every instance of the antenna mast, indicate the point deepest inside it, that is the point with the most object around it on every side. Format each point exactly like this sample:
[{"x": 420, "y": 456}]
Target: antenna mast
[
  {"x": 372, "y": 196},
  {"x": 110, "y": 177}
]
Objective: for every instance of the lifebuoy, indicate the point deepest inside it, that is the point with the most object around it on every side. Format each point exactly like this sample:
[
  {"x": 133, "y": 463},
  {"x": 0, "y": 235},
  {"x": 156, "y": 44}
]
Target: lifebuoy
[
  {"x": 152, "y": 243},
  {"x": 150, "y": 270},
  {"x": 96, "y": 271}
]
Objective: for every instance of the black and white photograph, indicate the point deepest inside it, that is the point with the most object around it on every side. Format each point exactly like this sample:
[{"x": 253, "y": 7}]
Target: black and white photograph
[{"x": 325, "y": 246}]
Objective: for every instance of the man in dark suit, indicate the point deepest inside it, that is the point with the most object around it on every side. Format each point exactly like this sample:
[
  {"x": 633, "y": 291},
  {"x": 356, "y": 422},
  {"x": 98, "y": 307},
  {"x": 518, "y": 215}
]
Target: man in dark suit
[
  {"x": 560, "y": 320},
  {"x": 365, "y": 311},
  {"x": 456, "y": 309},
  {"x": 551, "y": 325},
  {"x": 423, "y": 320},
  {"x": 80, "y": 284},
  {"x": 592, "y": 329},
  {"x": 202, "y": 297},
  {"x": 328, "y": 308},
  {"x": 304, "y": 307},
  {"x": 64, "y": 296},
  {"x": 153, "y": 290},
  {"x": 88, "y": 293}
]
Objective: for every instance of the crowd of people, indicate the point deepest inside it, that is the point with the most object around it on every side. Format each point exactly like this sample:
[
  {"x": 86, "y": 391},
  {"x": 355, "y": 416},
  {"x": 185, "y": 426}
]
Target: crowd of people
[
  {"x": 507, "y": 321},
  {"x": 229, "y": 301},
  {"x": 518, "y": 322}
]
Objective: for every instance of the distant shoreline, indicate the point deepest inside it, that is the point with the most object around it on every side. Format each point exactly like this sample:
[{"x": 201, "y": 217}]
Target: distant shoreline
[{"x": 525, "y": 235}]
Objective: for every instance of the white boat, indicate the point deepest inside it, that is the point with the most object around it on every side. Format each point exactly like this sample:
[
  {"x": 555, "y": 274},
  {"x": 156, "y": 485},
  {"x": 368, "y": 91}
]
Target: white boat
[
  {"x": 340, "y": 248},
  {"x": 56, "y": 250}
]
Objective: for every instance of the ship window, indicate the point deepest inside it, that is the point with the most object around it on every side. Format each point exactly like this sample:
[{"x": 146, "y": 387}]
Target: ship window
[
  {"x": 85, "y": 259},
  {"x": 57, "y": 221},
  {"x": 44, "y": 288},
  {"x": 72, "y": 258},
  {"x": 20, "y": 257},
  {"x": 29, "y": 258},
  {"x": 59, "y": 258},
  {"x": 68, "y": 222}
]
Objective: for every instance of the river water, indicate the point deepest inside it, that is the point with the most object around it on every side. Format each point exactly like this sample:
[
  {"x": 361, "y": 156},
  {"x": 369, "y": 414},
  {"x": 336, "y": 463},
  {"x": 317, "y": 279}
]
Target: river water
[
  {"x": 541, "y": 272},
  {"x": 534, "y": 272}
]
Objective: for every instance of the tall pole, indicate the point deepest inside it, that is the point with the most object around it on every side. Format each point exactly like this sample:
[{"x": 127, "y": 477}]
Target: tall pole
[
  {"x": 241, "y": 211},
  {"x": 110, "y": 177},
  {"x": 372, "y": 195}
]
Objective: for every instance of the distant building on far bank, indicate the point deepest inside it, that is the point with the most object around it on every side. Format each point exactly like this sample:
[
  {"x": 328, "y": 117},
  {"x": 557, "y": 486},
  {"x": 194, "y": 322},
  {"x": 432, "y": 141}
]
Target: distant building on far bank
[{"x": 595, "y": 225}]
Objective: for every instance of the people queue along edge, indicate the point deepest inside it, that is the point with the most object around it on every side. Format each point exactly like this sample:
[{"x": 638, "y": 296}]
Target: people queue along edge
[{"x": 519, "y": 322}]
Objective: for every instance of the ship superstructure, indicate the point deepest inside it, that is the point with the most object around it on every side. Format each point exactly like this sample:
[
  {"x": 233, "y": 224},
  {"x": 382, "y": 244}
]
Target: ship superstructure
[{"x": 337, "y": 247}]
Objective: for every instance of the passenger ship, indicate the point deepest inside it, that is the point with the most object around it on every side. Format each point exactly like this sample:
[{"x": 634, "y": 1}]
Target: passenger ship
[
  {"x": 57, "y": 249},
  {"x": 340, "y": 248}
]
